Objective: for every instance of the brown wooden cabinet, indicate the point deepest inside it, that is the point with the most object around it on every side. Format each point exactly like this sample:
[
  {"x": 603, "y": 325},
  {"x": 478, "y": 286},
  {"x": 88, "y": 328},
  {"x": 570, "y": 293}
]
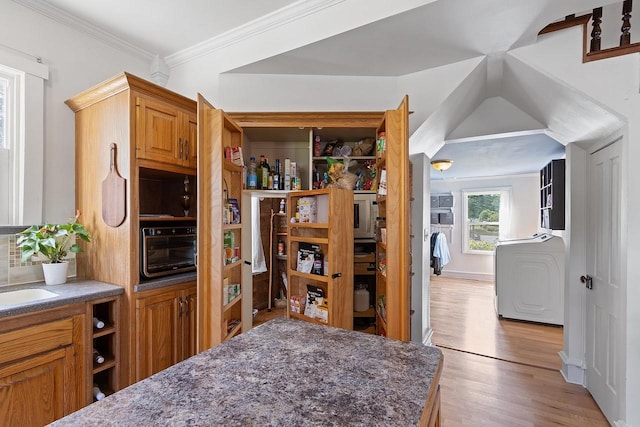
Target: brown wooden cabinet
[
  {"x": 165, "y": 328},
  {"x": 166, "y": 133},
  {"x": 219, "y": 239},
  {"x": 271, "y": 131},
  {"x": 331, "y": 231},
  {"x": 42, "y": 366},
  {"x": 147, "y": 123},
  {"x": 393, "y": 279}
]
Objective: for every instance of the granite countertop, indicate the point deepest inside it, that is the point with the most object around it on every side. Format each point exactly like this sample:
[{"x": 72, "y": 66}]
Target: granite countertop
[
  {"x": 282, "y": 373},
  {"x": 75, "y": 290}
]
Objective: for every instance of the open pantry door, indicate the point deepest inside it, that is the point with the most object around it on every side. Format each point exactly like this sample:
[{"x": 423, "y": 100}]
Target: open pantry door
[
  {"x": 219, "y": 201},
  {"x": 395, "y": 284}
]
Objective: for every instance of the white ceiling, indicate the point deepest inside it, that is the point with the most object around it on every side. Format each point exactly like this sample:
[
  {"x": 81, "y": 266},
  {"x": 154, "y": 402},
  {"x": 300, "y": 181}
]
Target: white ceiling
[{"x": 432, "y": 34}]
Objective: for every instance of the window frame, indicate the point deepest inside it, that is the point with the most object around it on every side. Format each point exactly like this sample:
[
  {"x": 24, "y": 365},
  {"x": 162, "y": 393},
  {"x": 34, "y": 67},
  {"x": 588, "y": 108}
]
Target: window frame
[
  {"x": 26, "y": 155},
  {"x": 503, "y": 221}
]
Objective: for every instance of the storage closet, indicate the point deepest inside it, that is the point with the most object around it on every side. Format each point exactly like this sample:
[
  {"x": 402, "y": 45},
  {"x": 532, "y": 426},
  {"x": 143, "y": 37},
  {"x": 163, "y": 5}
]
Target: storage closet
[{"x": 281, "y": 135}]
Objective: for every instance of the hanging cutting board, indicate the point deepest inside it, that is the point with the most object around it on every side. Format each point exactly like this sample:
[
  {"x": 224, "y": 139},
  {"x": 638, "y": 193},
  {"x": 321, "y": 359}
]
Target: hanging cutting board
[{"x": 113, "y": 194}]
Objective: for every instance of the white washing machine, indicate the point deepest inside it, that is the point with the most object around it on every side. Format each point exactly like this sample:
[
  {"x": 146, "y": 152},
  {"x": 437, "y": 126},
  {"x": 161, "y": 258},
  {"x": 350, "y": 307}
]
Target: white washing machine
[{"x": 530, "y": 279}]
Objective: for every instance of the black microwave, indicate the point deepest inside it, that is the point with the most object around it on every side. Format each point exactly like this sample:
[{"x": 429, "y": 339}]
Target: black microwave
[{"x": 167, "y": 250}]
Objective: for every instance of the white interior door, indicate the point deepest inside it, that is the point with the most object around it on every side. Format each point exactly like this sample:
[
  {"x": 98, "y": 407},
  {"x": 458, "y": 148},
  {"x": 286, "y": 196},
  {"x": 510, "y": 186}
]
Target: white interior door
[{"x": 605, "y": 310}]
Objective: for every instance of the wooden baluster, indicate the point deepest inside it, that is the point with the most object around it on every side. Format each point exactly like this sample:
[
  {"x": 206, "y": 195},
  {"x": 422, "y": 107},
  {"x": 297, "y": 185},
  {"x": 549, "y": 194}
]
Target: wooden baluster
[
  {"x": 625, "y": 38},
  {"x": 595, "y": 33}
]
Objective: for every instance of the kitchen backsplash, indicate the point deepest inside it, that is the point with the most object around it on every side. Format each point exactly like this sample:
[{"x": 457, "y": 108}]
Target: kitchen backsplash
[{"x": 15, "y": 272}]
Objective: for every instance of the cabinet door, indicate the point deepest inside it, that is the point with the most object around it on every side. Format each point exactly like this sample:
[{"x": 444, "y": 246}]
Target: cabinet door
[
  {"x": 158, "y": 333},
  {"x": 189, "y": 323},
  {"x": 395, "y": 283},
  {"x": 32, "y": 391},
  {"x": 215, "y": 132},
  {"x": 158, "y": 125}
]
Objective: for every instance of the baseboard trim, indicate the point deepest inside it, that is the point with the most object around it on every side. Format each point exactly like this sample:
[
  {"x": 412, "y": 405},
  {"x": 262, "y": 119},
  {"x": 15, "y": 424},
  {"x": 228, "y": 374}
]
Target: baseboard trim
[
  {"x": 468, "y": 275},
  {"x": 426, "y": 338},
  {"x": 573, "y": 370}
]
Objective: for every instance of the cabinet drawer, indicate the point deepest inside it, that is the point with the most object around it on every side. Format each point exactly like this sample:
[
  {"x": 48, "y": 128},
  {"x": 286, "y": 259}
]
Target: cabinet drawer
[{"x": 35, "y": 339}]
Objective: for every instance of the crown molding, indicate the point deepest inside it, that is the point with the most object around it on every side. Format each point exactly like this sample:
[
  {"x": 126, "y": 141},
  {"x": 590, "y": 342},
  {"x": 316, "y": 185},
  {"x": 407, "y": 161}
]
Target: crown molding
[
  {"x": 280, "y": 17},
  {"x": 44, "y": 8}
]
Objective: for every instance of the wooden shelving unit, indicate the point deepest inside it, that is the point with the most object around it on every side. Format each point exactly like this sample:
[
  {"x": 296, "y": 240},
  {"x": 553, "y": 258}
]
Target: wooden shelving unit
[
  {"x": 393, "y": 258},
  {"x": 552, "y": 189},
  {"x": 332, "y": 233},
  {"x": 218, "y": 264},
  {"x": 106, "y": 341}
]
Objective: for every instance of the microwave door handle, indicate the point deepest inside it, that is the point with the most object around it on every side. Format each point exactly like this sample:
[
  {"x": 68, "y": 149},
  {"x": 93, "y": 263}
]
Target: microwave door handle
[{"x": 356, "y": 216}]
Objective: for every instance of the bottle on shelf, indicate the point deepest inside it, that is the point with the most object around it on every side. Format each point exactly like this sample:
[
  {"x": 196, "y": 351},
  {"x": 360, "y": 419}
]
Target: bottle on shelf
[
  {"x": 265, "y": 174},
  {"x": 316, "y": 146},
  {"x": 97, "y": 357},
  {"x": 252, "y": 183},
  {"x": 272, "y": 172},
  {"x": 277, "y": 178},
  {"x": 259, "y": 171},
  {"x": 97, "y": 393},
  {"x": 282, "y": 206},
  {"x": 280, "y": 247},
  {"x": 97, "y": 323}
]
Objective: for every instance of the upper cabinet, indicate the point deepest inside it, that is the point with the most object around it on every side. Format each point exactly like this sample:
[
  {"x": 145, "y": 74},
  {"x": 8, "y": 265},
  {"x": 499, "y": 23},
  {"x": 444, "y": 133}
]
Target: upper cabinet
[{"x": 165, "y": 133}]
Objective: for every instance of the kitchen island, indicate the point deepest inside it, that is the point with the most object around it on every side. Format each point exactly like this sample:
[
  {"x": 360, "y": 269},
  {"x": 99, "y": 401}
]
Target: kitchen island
[{"x": 285, "y": 373}]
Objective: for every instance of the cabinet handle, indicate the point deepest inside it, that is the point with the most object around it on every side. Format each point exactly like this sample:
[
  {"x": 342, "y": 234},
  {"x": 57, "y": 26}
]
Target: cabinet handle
[
  {"x": 186, "y": 149},
  {"x": 180, "y": 147},
  {"x": 180, "y": 304}
]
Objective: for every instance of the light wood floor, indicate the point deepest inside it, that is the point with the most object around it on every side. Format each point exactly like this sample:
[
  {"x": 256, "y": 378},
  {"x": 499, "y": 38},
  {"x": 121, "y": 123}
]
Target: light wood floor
[
  {"x": 500, "y": 372},
  {"x": 496, "y": 372},
  {"x": 463, "y": 318}
]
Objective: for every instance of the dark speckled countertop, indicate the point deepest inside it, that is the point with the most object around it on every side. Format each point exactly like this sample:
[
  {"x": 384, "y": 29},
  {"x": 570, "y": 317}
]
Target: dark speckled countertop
[
  {"x": 281, "y": 373},
  {"x": 75, "y": 290}
]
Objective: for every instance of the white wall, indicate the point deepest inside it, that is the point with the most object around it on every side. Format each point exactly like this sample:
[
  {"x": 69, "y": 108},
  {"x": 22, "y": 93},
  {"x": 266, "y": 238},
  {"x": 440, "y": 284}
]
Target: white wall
[
  {"x": 525, "y": 206},
  {"x": 76, "y": 62},
  {"x": 614, "y": 83}
]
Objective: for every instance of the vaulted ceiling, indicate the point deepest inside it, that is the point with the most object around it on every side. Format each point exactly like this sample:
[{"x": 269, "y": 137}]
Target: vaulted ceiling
[{"x": 408, "y": 37}]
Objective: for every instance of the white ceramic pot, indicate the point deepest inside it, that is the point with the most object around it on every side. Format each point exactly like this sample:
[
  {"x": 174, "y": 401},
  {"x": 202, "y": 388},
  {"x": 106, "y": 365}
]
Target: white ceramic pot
[{"x": 55, "y": 274}]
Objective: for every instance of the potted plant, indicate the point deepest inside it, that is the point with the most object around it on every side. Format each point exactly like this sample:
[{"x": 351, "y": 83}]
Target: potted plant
[{"x": 53, "y": 241}]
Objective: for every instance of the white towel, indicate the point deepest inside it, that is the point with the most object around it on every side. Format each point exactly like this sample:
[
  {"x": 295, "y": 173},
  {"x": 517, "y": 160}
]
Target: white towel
[{"x": 258, "y": 264}]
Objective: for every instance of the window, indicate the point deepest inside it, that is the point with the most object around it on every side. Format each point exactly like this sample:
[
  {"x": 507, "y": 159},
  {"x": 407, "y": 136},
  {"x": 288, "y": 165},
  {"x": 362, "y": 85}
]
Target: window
[
  {"x": 21, "y": 138},
  {"x": 486, "y": 219},
  {"x": 4, "y": 83}
]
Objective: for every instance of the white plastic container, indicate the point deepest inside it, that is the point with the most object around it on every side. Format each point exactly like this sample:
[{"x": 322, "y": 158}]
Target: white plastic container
[{"x": 361, "y": 299}]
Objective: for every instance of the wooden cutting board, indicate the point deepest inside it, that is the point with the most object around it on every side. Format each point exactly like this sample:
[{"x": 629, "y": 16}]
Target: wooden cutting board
[{"x": 113, "y": 194}]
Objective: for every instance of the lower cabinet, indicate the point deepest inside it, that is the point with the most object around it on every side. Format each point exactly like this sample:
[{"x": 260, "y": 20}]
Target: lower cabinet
[
  {"x": 42, "y": 368},
  {"x": 165, "y": 328}
]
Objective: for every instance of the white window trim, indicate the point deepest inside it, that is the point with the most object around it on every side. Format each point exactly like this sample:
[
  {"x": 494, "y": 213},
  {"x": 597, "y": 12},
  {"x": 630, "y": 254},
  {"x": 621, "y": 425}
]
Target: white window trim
[
  {"x": 27, "y": 158},
  {"x": 505, "y": 216}
]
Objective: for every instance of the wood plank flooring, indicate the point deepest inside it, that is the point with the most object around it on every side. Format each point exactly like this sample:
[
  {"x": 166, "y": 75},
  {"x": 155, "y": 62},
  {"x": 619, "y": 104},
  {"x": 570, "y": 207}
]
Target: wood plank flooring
[
  {"x": 497, "y": 372},
  {"x": 500, "y": 372},
  {"x": 463, "y": 318}
]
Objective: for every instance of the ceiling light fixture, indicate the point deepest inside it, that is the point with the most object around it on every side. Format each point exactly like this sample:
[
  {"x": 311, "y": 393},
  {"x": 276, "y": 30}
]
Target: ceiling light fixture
[{"x": 441, "y": 165}]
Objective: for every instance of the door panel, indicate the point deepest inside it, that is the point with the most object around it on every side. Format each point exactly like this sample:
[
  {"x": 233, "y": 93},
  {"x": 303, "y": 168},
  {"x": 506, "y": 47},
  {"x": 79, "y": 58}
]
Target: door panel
[
  {"x": 159, "y": 131},
  {"x": 32, "y": 391},
  {"x": 158, "y": 333},
  {"x": 604, "y": 305}
]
